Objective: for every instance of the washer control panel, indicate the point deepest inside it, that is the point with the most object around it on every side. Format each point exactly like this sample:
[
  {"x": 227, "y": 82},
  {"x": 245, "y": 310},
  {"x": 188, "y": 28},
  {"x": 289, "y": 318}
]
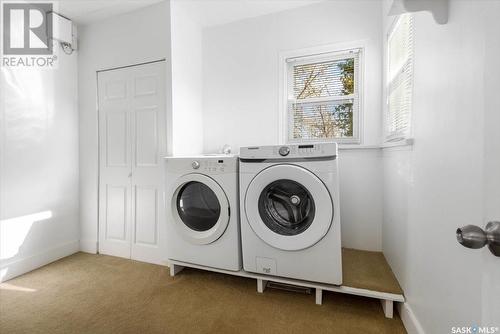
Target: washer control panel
[
  {"x": 289, "y": 151},
  {"x": 307, "y": 149}
]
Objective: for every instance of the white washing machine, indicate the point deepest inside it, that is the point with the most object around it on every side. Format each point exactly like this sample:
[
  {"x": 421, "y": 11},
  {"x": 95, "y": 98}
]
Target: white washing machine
[
  {"x": 290, "y": 221},
  {"x": 201, "y": 198}
]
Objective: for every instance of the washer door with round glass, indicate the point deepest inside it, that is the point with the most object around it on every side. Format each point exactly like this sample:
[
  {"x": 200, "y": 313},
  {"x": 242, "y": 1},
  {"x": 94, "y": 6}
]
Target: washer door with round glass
[
  {"x": 200, "y": 209},
  {"x": 288, "y": 207}
]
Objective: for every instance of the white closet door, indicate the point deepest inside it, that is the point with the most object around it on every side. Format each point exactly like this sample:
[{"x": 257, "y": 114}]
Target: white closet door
[
  {"x": 148, "y": 149},
  {"x": 115, "y": 160},
  {"x": 132, "y": 142}
]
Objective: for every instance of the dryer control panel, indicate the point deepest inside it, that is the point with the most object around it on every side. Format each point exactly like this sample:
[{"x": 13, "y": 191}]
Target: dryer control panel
[
  {"x": 208, "y": 166},
  {"x": 219, "y": 164},
  {"x": 292, "y": 151}
]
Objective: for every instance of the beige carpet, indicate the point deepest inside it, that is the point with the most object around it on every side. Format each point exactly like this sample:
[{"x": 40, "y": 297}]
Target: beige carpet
[
  {"x": 368, "y": 270},
  {"x": 87, "y": 293}
]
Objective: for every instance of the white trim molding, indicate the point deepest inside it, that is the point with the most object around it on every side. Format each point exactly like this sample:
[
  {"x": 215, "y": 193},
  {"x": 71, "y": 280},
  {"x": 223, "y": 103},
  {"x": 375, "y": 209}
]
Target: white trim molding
[
  {"x": 409, "y": 319},
  {"x": 26, "y": 264}
]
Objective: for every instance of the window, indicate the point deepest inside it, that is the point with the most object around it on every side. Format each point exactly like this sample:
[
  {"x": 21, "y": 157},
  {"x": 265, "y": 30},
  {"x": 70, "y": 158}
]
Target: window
[
  {"x": 400, "y": 79},
  {"x": 322, "y": 93}
]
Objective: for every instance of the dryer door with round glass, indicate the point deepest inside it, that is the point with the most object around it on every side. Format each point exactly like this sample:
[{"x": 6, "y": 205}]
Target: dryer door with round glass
[
  {"x": 288, "y": 207},
  {"x": 200, "y": 208}
]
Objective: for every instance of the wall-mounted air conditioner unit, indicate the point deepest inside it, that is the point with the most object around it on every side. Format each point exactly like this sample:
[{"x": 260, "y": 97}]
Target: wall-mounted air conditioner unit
[{"x": 64, "y": 32}]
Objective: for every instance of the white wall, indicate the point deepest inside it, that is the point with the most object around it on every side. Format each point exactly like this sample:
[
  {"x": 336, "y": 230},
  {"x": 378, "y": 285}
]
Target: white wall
[
  {"x": 132, "y": 38},
  {"x": 240, "y": 65},
  {"x": 361, "y": 198},
  {"x": 435, "y": 186},
  {"x": 186, "y": 81},
  {"x": 38, "y": 165},
  {"x": 240, "y": 94}
]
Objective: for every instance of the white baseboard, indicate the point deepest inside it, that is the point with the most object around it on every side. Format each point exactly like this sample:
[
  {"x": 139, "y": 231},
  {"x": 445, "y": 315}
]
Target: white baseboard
[
  {"x": 88, "y": 246},
  {"x": 409, "y": 319},
  {"x": 29, "y": 263}
]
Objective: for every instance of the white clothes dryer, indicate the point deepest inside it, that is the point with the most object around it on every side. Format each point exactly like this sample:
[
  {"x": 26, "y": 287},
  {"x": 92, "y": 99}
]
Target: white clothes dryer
[
  {"x": 290, "y": 221},
  {"x": 202, "y": 211}
]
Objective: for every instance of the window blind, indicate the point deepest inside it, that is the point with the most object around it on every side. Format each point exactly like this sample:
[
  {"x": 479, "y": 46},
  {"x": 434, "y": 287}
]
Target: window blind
[
  {"x": 400, "y": 79},
  {"x": 323, "y": 96}
]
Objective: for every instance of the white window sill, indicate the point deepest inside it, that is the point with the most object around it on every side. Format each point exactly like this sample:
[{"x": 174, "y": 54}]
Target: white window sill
[
  {"x": 349, "y": 147},
  {"x": 398, "y": 143}
]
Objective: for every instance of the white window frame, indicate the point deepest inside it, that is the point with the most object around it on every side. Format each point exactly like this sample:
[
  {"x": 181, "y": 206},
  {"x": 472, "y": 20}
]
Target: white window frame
[
  {"x": 325, "y": 52},
  {"x": 397, "y": 138}
]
